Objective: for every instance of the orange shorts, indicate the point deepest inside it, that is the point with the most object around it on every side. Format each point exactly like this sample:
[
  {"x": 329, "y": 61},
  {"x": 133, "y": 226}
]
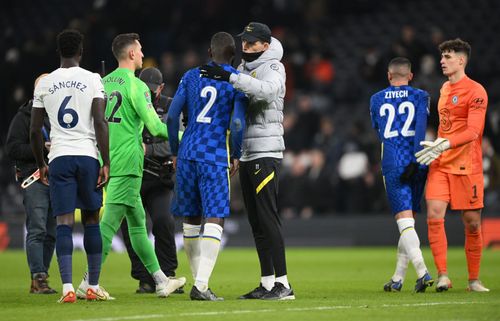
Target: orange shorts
[{"x": 462, "y": 192}]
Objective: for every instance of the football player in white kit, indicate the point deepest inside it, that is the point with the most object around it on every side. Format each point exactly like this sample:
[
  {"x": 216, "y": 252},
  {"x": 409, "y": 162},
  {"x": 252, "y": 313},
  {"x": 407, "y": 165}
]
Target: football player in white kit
[{"x": 74, "y": 101}]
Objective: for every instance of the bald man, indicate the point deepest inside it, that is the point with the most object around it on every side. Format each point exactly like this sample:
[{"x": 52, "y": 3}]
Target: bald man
[{"x": 40, "y": 224}]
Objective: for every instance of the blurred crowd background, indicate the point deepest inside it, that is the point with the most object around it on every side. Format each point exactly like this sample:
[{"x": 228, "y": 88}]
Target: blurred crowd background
[{"x": 336, "y": 55}]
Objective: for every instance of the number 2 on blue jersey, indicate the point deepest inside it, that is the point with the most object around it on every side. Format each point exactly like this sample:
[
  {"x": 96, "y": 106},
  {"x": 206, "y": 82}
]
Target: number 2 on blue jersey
[
  {"x": 202, "y": 116},
  {"x": 390, "y": 111}
]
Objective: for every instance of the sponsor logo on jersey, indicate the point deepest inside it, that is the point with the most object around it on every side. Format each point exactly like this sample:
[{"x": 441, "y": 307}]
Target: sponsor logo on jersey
[
  {"x": 477, "y": 103},
  {"x": 444, "y": 119}
]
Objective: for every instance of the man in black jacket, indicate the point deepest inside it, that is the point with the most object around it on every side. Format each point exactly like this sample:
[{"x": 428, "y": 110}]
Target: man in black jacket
[
  {"x": 156, "y": 193},
  {"x": 40, "y": 224}
]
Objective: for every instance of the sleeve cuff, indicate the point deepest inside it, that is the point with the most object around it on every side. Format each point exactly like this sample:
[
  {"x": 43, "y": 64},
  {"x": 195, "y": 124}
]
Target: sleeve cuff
[{"x": 233, "y": 78}]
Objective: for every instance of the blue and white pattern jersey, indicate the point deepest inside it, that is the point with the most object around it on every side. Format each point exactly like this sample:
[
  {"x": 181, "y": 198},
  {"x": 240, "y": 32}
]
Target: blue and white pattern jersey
[
  {"x": 399, "y": 114},
  {"x": 210, "y": 106}
]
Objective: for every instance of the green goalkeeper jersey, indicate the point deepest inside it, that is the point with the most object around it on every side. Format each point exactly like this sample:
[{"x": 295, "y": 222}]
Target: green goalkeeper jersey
[{"x": 128, "y": 109}]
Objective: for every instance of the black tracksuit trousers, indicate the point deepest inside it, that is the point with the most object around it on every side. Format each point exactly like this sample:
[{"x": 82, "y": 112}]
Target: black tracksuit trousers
[{"x": 259, "y": 183}]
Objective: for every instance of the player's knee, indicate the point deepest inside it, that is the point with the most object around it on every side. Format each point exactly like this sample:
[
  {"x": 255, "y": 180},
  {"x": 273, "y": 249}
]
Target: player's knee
[
  {"x": 473, "y": 226},
  {"x": 193, "y": 220},
  {"x": 90, "y": 217},
  {"x": 66, "y": 219},
  {"x": 216, "y": 220},
  {"x": 435, "y": 212}
]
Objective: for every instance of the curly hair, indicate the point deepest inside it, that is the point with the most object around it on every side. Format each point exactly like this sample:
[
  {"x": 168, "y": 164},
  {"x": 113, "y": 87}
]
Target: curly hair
[
  {"x": 456, "y": 45},
  {"x": 69, "y": 43}
]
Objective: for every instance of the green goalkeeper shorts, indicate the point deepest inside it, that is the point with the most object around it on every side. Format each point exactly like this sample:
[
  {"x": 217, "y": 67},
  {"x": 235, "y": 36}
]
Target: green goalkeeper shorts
[{"x": 123, "y": 190}]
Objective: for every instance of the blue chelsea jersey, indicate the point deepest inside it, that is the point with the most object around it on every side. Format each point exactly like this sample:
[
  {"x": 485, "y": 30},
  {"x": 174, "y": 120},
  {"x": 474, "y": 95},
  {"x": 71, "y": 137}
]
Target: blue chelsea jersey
[
  {"x": 399, "y": 114},
  {"x": 210, "y": 106}
]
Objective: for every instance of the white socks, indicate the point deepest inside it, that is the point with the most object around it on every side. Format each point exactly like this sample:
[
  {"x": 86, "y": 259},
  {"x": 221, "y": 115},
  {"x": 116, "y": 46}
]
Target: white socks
[
  {"x": 267, "y": 282},
  {"x": 159, "y": 277},
  {"x": 192, "y": 246},
  {"x": 411, "y": 244},
  {"x": 401, "y": 264},
  {"x": 283, "y": 280},
  {"x": 68, "y": 287},
  {"x": 209, "y": 250}
]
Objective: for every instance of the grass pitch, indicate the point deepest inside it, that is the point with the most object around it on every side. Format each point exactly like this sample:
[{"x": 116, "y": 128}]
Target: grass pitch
[{"x": 329, "y": 283}]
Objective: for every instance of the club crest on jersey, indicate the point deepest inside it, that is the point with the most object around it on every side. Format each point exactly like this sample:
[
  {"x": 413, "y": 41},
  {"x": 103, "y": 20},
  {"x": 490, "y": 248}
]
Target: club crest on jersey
[{"x": 454, "y": 100}]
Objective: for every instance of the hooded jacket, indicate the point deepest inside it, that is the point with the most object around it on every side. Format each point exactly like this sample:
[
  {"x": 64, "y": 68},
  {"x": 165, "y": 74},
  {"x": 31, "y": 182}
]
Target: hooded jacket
[
  {"x": 263, "y": 80},
  {"x": 18, "y": 146}
]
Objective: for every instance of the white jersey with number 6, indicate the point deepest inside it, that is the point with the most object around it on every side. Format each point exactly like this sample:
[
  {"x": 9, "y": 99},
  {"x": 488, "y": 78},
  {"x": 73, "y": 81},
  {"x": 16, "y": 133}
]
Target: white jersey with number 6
[{"x": 67, "y": 94}]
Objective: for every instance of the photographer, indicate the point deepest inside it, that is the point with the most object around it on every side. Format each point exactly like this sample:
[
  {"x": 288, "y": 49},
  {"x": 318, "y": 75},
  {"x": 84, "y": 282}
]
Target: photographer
[
  {"x": 40, "y": 224},
  {"x": 156, "y": 193}
]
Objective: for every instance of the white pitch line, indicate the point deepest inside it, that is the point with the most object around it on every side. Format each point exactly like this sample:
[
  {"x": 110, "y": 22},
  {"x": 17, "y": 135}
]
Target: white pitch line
[{"x": 319, "y": 308}]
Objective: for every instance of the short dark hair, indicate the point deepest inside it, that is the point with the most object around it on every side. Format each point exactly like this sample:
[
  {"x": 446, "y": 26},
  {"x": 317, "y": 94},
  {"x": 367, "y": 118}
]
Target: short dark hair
[
  {"x": 69, "y": 43},
  {"x": 400, "y": 62},
  {"x": 121, "y": 42},
  {"x": 222, "y": 45},
  {"x": 456, "y": 45}
]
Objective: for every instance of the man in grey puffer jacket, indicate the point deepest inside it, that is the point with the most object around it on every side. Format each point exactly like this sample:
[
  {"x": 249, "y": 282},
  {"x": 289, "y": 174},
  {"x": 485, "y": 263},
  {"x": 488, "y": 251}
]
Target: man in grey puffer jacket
[{"x": 263, "y": 80}]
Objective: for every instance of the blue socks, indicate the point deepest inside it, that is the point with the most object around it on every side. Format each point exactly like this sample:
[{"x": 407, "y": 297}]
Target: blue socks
[
  {"x": 93, "y": 246},
  {"x": 64, "y": 251}
]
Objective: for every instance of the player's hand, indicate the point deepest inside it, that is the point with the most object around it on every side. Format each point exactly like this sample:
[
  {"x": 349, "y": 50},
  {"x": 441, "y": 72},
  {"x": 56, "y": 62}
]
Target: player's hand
[
  {"x": 103, "y": 176},
  {"x": 44, "y": 174},
  {"x": 174, "y": 162},
  {"x": 215, "y": 72},
  {"x": 410, "y": 171},
  {"x": 235, "y": 165},
  {"x": 432, "y": 150}
]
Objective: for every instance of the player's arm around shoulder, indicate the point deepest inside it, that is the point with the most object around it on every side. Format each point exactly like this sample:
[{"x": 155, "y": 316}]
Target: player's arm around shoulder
[{"x": 267, "y": 87}]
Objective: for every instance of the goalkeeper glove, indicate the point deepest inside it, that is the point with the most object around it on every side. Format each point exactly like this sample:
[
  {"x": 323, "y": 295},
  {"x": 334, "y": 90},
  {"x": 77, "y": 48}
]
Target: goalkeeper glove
[
  {"x": 215, "y": 72},
  {"x": 432, "y": 150},
  {"x": 409, "y": 172}
]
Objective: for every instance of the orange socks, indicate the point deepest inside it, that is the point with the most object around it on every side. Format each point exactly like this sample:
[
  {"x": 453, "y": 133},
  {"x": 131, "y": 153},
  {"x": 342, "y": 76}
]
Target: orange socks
[
  {"x": 438, "y": 243},
  {"x": 473, "y": 251}
]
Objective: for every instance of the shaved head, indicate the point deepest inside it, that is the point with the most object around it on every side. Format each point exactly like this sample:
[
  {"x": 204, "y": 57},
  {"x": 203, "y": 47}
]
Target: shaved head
[
  {"x": 400, "y": 67},
  {"x": 399, "y": 71},
  {"x": 222, "y": 46}
]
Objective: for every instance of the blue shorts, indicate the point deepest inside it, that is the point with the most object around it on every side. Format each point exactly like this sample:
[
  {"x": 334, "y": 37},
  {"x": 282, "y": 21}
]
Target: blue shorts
[
  {"x": 401, "y": 196},
  {"x": 72, "y": 182},
  {"x": 201, "y": 189}
]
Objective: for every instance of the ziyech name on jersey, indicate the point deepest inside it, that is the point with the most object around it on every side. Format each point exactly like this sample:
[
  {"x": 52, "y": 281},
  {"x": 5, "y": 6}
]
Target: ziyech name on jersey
[{"x": 396, "y": 94}]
